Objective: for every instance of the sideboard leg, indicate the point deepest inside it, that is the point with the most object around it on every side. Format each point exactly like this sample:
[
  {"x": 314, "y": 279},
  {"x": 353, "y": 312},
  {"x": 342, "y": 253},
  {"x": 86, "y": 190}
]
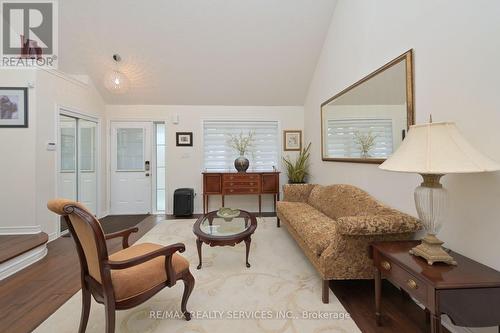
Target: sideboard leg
[
  {"x": 378, "y": 296},
  {"x": 326, "y": 291},
  {"x": 260, "y": 205}
]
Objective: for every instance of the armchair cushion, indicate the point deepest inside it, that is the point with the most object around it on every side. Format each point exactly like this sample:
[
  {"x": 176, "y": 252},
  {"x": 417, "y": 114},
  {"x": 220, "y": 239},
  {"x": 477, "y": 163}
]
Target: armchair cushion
[
  {"x": 398, "y": 223},
  {"x": 135, "y": 280}
]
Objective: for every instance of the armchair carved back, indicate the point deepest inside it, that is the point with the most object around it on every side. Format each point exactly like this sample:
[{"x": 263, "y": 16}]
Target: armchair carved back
[{"x": 87, "y": 233}]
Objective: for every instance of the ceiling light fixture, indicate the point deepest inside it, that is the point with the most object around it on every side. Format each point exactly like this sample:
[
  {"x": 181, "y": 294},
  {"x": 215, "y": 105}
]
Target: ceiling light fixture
[{"x": 115, "y": 81}]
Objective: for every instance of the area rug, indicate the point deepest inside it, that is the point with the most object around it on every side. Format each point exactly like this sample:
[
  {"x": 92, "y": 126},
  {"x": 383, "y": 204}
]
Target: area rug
[{"x": 279, "y": 293}]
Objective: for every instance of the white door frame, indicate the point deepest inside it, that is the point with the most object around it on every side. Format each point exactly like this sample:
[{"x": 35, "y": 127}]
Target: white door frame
[
  {"x": 153, "y": 159},
  {"x": 75, "y": 113},
  {"x": 152, "y": 207}
]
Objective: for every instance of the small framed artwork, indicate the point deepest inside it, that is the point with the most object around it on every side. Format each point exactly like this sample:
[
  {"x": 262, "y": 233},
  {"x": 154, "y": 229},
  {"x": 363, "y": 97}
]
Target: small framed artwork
[
  {"x": 184, "y": 139},
  {"x": 13, "y": 107},
  {"x": 292, "y": 140}
]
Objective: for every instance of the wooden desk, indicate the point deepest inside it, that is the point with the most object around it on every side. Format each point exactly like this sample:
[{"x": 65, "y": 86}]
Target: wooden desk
[
  {"x": 468, "y": 293},
  {"x": 240, "y": 183}
]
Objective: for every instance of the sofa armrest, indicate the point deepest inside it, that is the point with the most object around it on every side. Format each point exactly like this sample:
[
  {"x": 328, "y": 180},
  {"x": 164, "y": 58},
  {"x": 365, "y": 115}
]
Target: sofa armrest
[
  {"x": 297, "y": 192},
  {"x": 398, "y": 223}
]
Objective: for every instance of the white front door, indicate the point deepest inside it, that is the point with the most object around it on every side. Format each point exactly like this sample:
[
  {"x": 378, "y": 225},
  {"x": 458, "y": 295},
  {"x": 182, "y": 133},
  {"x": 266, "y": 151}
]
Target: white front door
[{"x": 131, "y": 144}]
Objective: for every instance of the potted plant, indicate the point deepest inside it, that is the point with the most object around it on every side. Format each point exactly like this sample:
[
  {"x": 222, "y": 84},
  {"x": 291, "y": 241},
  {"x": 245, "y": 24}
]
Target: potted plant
[
  {"x": 298, "y": 170},
  {"x": 242, "y": 144}
]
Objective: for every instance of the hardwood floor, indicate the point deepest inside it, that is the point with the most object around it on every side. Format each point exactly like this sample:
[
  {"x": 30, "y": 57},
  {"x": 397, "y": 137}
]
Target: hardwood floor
[
  {"x": 29, "y": 297},
  {"x": 12, "y": 246}
]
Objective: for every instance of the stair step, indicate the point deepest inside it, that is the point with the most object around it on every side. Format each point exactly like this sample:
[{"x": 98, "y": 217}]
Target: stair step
[{"x": 12, "y": 246}]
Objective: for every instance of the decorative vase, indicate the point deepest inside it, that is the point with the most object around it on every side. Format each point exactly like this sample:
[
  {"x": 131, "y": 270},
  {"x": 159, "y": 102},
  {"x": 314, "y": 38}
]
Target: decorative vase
[
  {"x": 241, "y": 163},
  {"x": 365, "y": 154}
]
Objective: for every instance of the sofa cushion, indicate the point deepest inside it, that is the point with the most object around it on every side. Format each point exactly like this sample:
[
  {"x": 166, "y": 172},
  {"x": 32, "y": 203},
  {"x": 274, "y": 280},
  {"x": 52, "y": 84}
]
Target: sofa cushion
[
  {"x": 315, "y": 228},
  {"x": 343, "y": 200}
]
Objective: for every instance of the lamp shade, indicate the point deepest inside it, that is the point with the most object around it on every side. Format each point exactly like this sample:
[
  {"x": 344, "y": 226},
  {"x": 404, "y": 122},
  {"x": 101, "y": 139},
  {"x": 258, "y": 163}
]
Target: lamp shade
[{"x": 437, "y": 148}]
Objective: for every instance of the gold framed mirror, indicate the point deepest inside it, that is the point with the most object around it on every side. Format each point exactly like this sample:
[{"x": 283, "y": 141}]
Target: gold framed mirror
[{"x": 366, "y": 122}]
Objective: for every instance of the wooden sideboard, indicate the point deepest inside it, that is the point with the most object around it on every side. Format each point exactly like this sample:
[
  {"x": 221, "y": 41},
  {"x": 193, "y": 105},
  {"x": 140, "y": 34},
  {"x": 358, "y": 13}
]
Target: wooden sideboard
[{"x": 240, "y": 183}]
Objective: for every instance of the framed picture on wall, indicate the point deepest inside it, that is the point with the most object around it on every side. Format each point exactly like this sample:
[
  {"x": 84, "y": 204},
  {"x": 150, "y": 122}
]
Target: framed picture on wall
[
  {"x": 292, "y": 140},
  {"x": 184, "y": 139},
  {"x": 13, "y": 107}
]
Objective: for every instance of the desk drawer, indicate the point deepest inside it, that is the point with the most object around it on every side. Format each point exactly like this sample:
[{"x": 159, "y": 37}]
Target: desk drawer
[
  {"x": 412, "y": 285},
  {"x": 242, "y": 190},
  {"x": 239, "y": 184},
  {"x": 245, "y": 177}
]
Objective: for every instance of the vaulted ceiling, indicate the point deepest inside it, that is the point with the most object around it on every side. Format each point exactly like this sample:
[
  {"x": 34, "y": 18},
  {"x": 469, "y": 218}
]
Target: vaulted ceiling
[{"x": 205, "y": 52}]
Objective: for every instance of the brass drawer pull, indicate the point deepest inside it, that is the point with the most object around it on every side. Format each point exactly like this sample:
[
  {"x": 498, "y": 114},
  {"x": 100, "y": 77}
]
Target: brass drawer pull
[
  {"x": 412, "y": 284},
  {"x": 386, "y": 265}
]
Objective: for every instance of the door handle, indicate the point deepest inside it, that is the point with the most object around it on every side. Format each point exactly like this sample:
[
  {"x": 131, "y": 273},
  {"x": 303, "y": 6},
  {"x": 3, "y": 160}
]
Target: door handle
[{"x": 146, "y": 166}]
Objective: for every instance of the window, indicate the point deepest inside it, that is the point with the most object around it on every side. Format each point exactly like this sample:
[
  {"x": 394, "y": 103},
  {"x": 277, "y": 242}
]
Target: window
[
  {"x": 219, "y": 156},
  {"x": 160, "y": 166},
  {"x": 130, "y": 149},
  {"x": 341, "y": 137}
]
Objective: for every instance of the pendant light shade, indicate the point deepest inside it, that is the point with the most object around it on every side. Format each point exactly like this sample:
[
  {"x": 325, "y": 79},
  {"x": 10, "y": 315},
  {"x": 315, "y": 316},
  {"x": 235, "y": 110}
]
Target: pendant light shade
[{"x": 115, "y": 81}]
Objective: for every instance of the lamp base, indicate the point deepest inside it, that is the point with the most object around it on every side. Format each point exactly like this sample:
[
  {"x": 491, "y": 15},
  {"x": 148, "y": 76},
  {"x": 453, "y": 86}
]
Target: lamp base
[{"x": 431, "y": 250}]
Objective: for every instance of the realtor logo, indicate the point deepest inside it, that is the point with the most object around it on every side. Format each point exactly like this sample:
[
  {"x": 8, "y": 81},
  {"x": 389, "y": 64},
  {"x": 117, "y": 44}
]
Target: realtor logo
[{"x": 29, "y": 33}]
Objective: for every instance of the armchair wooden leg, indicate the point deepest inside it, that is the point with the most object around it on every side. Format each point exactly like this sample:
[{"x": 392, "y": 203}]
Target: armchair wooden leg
[
  {"x": 188, "y": 280},
  {"x": 278, "y": 222},
  {"x": 85, "y": 309},
  {"x": 110, "y": 316},
  {"x": 326, "y": 291}
]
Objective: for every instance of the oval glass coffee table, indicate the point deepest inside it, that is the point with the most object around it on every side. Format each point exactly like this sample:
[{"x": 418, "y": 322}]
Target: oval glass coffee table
[{"x": 216, "y": 231}]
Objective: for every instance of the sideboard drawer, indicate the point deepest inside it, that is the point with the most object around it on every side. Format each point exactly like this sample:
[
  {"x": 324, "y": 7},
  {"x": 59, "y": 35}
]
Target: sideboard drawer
[
  {"x": 242, "y": 190},
  {"x": 240, "y": 177},
  {"x": 411, "y": 284},
  {"x": 238, "y": 184}
]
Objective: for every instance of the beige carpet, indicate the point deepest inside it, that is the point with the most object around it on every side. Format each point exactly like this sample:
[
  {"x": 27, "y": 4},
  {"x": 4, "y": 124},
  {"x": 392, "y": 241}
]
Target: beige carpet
[{"x": 280, "y": 293}]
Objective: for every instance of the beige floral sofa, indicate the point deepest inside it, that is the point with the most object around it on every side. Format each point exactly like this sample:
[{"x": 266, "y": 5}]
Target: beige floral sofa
[{"x": 335, "y": 224}]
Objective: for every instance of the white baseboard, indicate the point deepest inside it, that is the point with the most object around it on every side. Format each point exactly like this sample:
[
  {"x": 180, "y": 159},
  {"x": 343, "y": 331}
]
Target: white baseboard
[
  {"x": 452, "y": 328},
  {"x": 446, "y": 322},
  {"x": 22, "y": 261},
  {"x": 53, "y": 236},
  {"x": 21, "y": 230},
  {"x": 103, "y": 214}
]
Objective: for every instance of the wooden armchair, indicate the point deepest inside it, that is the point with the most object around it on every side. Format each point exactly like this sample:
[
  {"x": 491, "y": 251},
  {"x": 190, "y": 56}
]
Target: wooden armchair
[{"x": 124, "y": 279}]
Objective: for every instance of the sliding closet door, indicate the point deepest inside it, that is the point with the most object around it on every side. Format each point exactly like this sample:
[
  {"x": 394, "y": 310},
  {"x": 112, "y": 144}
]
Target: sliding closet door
[
  {"x": 78, "y": 161},
  {"x": 68, "y": 169},
  {"x": 87, "y": 167}
]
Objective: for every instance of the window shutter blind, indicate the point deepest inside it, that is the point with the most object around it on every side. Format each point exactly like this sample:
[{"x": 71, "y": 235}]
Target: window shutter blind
[
  {"x": 219, "y": 156},
  {"x": 341, "y": 142}
]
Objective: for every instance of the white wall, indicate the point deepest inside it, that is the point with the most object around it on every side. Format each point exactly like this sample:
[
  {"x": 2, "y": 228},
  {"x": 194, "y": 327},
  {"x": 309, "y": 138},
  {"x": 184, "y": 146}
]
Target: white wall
[
  {"x": 54, "y": 91},
  {"x": 185, "y": 164},
  {"x": 456, "y": 79},
  {"x": 17, "y": 162},
  {"x": 28, "y": 170}
]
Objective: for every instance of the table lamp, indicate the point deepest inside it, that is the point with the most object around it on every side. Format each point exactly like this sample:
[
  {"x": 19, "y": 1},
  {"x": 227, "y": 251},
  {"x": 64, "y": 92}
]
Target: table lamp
[{"x": 433, "y": 150}]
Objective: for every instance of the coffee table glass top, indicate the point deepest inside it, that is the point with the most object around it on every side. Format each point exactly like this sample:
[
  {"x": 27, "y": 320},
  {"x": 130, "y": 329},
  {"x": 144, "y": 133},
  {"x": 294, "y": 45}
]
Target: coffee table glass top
[{"x": 218, "y": 227}]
